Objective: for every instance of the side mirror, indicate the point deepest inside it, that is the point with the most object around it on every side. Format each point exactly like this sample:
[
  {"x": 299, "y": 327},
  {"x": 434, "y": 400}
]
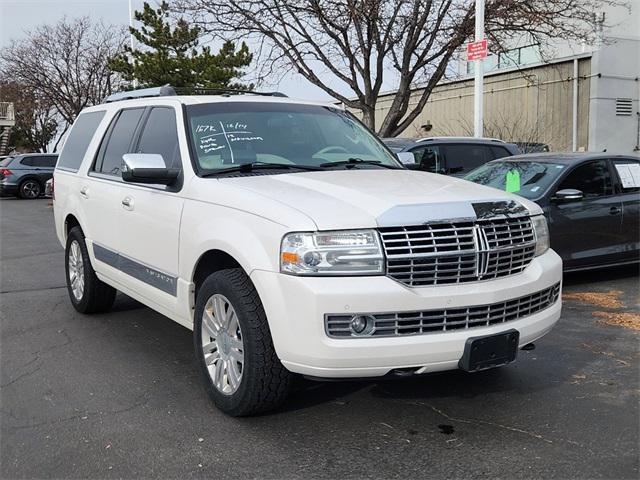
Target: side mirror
[
  {"x": 147, "y": 168},
  {"x": 406, "y": 158},
  {"x": 568, "y": 195}
]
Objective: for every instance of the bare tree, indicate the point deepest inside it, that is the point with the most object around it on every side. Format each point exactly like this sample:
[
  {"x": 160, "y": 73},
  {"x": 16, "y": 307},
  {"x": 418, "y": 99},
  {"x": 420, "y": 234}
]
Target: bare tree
[
  {"x": 517, "y": 128},
  {"x": 66, "y": 63},
  {"x": 36, "y": 119},
  {"x": 359, "y": 44}
]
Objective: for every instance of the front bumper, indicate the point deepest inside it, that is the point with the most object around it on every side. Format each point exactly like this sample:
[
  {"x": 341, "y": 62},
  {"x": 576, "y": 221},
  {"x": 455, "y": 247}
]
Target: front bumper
[{"x": 296, "y": 306}]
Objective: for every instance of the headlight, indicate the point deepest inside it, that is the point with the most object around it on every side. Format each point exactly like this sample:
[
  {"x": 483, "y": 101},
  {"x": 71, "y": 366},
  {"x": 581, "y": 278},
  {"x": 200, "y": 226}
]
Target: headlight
[
  {"x": 542, "y": 234},
  {"x": 347, "y": 252}
]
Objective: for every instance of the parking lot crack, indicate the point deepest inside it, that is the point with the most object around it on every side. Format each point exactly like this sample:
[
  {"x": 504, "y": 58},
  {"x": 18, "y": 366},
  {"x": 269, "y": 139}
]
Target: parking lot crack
[
  {"x": 25, "y": 374},
  {"x": 142, "y": 400},
  {"x": 41, "y": 289},
  {"x": 498, "y": 425}
]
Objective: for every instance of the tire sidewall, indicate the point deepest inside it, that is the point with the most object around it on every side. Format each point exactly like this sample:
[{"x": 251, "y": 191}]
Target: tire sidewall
[
  {"x": 25, "y": 182},
  {"x": 216, "y": 283}
]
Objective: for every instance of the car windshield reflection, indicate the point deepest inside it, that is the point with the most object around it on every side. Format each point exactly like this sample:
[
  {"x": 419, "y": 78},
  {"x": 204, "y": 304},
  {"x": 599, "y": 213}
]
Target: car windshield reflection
[{"x": 528, "y": 179}]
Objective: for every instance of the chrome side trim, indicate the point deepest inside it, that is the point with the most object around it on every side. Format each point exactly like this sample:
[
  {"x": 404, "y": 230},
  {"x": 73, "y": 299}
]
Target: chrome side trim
[{"x": 138, "y": 270}]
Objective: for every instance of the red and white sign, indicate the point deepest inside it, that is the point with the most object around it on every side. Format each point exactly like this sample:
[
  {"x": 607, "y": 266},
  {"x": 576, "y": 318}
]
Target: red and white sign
[{"x": 477, "y": 50}]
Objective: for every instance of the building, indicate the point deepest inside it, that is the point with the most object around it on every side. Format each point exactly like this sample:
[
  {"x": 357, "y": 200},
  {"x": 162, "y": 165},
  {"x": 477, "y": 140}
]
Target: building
[
  {"x": 7, "y": 121},
  {"x": 585, "y": 97}
]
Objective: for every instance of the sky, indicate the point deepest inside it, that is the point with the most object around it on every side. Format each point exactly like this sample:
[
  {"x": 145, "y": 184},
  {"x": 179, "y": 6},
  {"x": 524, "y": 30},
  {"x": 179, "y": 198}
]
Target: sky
[{"x": 18, "y": 16}]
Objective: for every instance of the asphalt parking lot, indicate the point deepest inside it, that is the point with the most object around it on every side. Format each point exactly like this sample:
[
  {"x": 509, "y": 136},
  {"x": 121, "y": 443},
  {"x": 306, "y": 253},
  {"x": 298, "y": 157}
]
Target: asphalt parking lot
[{"x": 118, "y": 396}]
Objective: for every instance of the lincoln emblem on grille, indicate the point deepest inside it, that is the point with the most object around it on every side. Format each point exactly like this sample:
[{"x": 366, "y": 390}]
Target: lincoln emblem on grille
[{"x": 482, "y": 251}]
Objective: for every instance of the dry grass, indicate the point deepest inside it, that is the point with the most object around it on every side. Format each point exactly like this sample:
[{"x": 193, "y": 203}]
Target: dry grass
[
  {"x": 610, "y": 299},
  {"x": 627, "y": 320}
]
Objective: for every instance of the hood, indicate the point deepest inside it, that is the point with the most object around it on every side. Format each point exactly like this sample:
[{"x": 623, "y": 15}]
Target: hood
[{"x": 344, "y": 199}]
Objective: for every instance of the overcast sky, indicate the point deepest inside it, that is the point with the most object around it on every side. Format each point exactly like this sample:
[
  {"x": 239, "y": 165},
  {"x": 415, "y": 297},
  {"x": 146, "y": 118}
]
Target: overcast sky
[{"x": 18, "y": 16}]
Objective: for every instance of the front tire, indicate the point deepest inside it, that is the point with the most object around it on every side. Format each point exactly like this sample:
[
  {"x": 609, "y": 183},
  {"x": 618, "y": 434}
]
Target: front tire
[
  {"x": 87, "y": 292},
  {"x": 235, "y": 354},
  {"x": 30, "y": 189}
]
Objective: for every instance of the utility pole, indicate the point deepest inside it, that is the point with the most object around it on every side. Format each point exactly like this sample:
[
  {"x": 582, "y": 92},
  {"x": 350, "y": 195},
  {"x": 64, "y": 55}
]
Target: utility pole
[
  {"x": 135, "y": 82},
  {"x": 478, "y": 84}
]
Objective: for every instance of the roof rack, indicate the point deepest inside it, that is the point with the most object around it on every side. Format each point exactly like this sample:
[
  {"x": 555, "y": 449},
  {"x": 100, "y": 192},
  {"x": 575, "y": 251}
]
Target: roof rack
[
  {"x": 224, "y": 92},
  {"x": 168, "y": 90},
  {"x": 460, "y": 138}
]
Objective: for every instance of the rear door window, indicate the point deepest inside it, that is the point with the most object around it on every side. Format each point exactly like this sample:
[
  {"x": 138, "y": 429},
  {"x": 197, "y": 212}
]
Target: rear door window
[
  {"x": 118, "y": 141},
  {"x": 28, "y": 161},
  {"x": 628, "y": 172},
  {"x": 48, "y": 161},
  {"x": 465, "y": 157},
  {"x": 160, "y": 135},
  {"x": 78, "y": 140}
]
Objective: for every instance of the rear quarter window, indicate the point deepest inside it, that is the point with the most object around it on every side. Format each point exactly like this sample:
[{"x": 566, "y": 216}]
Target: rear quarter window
[
  {"x": 500, "y": 152},
  {"x": 78, "y": 141}
]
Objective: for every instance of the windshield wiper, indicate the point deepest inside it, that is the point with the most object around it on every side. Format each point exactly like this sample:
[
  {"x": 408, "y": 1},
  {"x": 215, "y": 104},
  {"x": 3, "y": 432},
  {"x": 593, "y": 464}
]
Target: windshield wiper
[
  {"x": 358, "y": 161},
  {"x": 251, "y": 166}
]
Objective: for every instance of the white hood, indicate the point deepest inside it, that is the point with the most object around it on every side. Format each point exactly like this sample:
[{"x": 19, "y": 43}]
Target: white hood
[{"x": 343, "y": 199}]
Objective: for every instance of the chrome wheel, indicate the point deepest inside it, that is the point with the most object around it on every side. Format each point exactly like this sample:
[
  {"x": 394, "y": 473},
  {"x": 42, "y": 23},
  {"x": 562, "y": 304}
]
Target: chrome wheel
[
  {"x": 222, "y": 344},
  {"x": 76, "y": 270},
  {"x": 30, "y": 189}
]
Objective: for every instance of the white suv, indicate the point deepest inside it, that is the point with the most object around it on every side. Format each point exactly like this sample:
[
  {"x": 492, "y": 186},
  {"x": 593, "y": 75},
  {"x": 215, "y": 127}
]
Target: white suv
[{"x": 292, "y": 241}]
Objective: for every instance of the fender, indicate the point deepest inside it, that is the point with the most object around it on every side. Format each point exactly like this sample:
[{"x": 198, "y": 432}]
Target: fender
[{"x": 254, "y": 242}]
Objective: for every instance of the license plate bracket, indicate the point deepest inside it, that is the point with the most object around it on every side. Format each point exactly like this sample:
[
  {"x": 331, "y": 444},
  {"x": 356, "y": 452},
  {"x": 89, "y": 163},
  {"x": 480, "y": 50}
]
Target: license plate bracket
[{"x": 490, "y": 351}]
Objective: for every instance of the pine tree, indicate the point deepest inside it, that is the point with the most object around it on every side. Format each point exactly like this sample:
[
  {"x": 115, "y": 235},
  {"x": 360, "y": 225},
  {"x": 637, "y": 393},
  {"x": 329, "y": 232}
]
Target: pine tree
[{"x": 172, "y": 55}]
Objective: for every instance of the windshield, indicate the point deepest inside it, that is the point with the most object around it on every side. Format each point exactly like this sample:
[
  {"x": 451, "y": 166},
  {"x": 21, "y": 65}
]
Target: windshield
[
  {"x": 529, "y": 179},
  {"x": 5, "y": 161},
  {"x": 226, "y": 135}
]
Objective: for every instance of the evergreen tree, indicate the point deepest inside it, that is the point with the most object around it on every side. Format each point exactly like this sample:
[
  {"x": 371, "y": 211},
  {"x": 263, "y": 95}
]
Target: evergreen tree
[{"x": 172, "y": 55}]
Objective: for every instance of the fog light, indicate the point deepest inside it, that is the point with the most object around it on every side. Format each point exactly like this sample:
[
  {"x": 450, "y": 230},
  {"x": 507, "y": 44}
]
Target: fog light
[{"x": 361, "y": 324}]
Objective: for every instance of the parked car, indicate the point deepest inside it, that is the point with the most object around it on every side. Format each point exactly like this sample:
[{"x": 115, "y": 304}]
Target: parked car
[
  {"x": 48, "y": 188},
  {"x": 25, "y": 175},
  {"x": 449, "y": 155},
  {"x": 591, "y": 201},
  {"x": 292, "y": 241}
]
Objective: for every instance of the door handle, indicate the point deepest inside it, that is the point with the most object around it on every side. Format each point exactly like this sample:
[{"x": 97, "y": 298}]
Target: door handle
[
  {"x": 127, "y": 203},
  {"x": 84, "y": 191},
  {"x": 614, "y": 210}
]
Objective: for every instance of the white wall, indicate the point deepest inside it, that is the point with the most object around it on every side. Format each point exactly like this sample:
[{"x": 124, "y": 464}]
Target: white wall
[{"x": 618, "y": 63}]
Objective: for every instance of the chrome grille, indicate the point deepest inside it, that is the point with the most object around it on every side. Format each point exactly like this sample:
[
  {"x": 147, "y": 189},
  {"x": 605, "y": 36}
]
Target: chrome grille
[
  {"x": 444, "y": 320},
  {"x": 458, "y": 252}
]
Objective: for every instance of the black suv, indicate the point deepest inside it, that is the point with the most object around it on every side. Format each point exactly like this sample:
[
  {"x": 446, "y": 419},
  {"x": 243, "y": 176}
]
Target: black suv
[
  {"x": 25, "y": 175},
  {"x": 449, "y": 155}
]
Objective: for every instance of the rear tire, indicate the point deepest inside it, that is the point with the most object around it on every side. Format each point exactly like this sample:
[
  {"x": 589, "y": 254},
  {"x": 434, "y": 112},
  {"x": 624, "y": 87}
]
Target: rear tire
[
  {"x": 30, "y": 189},
  {"x": 87, "y": 292},
  {"x": 241, "y": 372}
]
